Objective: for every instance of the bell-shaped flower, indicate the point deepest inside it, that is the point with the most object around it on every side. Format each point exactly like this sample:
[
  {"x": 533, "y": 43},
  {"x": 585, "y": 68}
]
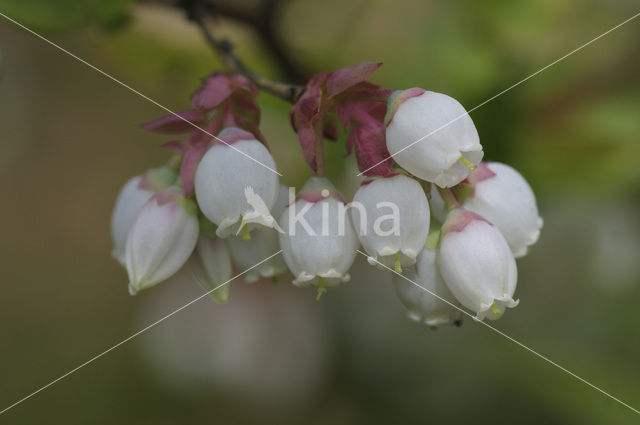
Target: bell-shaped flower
[
  {"x": 211, "y": 266},
  {"x": 391, "y": 218},
  {"x": 501, "y": 195},
  {"x": 161, "y": 239},
  {"x": 133, "y": 195},
  {"x": 417, "y": 294},
  {"x": 318, "y": 243},
  {"x": 263, "y": 243},
  {"x": 236, "y": 184},
  {"x": 477, "y": 264},
  {"x": 432, "y": 136}
]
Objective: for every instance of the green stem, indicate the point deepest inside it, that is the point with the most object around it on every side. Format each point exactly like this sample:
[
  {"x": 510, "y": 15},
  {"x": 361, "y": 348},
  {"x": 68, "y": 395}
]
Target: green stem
[{"x": 449, "y": 197}]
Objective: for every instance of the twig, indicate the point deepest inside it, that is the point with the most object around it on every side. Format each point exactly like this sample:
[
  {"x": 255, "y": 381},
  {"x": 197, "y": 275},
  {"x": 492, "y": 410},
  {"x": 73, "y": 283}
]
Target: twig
[
  {"x": 263, "y": 18},
  {"x": 198, "y": 12}
]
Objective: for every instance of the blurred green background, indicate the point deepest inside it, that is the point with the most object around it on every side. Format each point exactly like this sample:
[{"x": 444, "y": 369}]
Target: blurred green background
[{"x": 272, "y": 354}]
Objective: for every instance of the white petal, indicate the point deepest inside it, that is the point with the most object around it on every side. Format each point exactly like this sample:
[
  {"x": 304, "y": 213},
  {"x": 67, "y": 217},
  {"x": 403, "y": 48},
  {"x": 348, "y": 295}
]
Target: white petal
[
  {"x": 507, "y": 201},
  {"x": 429, "y": 134},
  {"x": 412, "y": 206},
  {"x": 222, "y": 177},
  {"x": 130, "y": 201},
  {"x": 478, "y": 267}
]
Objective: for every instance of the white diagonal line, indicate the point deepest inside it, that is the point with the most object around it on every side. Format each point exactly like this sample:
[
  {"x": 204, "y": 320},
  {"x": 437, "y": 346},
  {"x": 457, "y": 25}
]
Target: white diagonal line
[
  {"x": 505, "y": 90},
  {"x": 499, "y": 332},
  {"x": 62, "y": 49},
  {"x": 91, "y": 360}
]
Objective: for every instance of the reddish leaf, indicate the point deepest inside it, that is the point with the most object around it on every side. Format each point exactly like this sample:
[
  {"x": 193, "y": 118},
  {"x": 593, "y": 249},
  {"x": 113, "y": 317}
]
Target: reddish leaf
[
  {"x": 178, "y": 123},
  {"x": 344, "y": 115},
  {"x": 211, "y": 129},
  {"x": 216, "y": 89},
  {"x": 371, "y": 150},
  {"x": 343, "y": 79},
  {"x": 239, "y": 81},
  {"x": 189, "y": 164},
  {"x": 307, "y": 138},
  {"x": 243, "y": 104},
  {"x": 307, "y": 108},
  {"x": 177, "y": 146}
]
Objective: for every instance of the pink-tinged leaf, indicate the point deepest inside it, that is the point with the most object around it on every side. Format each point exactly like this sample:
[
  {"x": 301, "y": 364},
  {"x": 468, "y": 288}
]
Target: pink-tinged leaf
[
  {"x": 181, "y": 122},
  {"x": 377, "y": 110},
  {"x": 371, "y": 151},
  {"x": 189, "y": 164},
  {"x": 374, "y": 94},
  {"x": 239, "y": 81},
  {"x": 307, "y": 109},
  {"x": 307, "y": 138},
  {"x": 343, "y": 79},
  {"x": 244, "y": 105},
  {"x": 211, "y": 129},
  {"x": 178, "y": 146},
  {"x": 216, "y": 89},
  {"x": 344, "y": 114},
  {"x": 319, "y": 79}
]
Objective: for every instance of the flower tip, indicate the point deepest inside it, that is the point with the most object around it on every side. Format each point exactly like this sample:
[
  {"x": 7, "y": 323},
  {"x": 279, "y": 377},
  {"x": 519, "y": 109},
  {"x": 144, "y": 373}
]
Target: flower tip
[{"x": 396, "y": 99}]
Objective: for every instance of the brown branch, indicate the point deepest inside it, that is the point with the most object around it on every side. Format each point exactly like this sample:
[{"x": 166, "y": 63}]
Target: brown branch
[
  {"x": 263, "y": 19},
  {"x": 200, "y": 12}
]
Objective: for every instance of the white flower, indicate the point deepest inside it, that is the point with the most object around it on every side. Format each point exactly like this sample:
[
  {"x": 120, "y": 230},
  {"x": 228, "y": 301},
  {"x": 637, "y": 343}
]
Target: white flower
[
  {"x": 161, "y": 240},
  {"x": 232, "y": 189},
  {"x": 391, "y": 218},
  {"x": 501, "y": 195},
  {"x": 130, "y": 201},
  {"x": 423, "y": 306},
  {"x": 319, "y": 243},
  {"x": 133, "y": 195},
  {"x": 263, "y": 243},
  {"x": 477, "y": 264},
  {"x": 431, "y": 135},
  {"x": 211, "y": 266}
]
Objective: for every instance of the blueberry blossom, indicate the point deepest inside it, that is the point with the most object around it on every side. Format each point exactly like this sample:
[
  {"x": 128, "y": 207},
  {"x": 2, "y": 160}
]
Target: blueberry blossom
[
  {"x": 391, "y": 218},
  {"x": 232, "y": 189},
  {"x": 211, "y": 266},
  {"x": 477, "y": 264},
  {"x": 422, "y": 306},
  {"x": 431, "y": 136},
  {"x": 501, "y": 195},
  {"x": 318, "y": 243},
  {"x": 161, "y": 240},
  {"x": 132, "y": 197},
  {"x": 263, "y": 243}
]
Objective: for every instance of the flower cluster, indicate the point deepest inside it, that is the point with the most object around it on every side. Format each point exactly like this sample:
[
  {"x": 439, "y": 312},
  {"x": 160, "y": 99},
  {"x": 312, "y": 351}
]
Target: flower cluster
[{"x": 428, "y": 209}]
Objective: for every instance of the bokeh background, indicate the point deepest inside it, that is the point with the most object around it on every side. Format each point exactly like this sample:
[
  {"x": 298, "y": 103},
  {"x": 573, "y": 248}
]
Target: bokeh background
[{"x": 68, "y": 141}]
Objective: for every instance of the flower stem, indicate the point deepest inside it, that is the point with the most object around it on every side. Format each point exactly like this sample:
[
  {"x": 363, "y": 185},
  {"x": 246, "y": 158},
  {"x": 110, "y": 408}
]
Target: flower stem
[
  {"x": 449, "y": 197},
  {"x": 321, "y": 288}
]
